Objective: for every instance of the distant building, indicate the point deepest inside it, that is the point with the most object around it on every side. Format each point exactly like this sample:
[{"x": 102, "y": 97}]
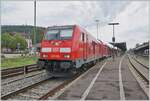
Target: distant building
[
  {"x": 29, "y": 43},
  {"x": 142, "y": 49}
]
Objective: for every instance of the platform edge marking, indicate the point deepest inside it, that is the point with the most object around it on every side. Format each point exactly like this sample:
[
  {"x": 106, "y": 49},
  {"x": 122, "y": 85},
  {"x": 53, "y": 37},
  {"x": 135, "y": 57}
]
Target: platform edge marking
[
  {"x": 85, "y": 94},
  {"x": 122, "y": 94}
]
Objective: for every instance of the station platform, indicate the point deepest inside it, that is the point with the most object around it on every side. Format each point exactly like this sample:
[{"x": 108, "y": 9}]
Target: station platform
[{"x": 107, "y": 80}]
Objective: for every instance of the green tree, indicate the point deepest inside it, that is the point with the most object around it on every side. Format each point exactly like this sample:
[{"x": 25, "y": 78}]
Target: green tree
[
  {"x": 21, "y": 40},
  {"x": 6, "y": 40},
  {"x": 13, "y": 43}
]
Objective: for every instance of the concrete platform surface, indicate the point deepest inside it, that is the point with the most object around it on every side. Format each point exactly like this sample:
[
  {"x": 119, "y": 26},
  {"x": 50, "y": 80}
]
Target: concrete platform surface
[{"x": 106, "y": 86}]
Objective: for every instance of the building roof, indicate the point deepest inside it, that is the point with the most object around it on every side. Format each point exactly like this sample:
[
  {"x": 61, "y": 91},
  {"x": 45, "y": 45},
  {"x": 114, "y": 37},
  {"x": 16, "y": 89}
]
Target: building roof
[
  {"x": 120, "y": 45},
  {"x": 142, "y": 46}
]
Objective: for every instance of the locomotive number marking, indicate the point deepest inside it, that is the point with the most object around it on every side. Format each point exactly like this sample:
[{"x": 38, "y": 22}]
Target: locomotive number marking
[
  {"x": 55, "y": 49},
  {"x": 55, "y": 56}
]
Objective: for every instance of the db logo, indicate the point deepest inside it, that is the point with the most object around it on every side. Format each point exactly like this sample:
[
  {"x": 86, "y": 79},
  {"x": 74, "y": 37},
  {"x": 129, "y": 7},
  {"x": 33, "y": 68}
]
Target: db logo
[{"x": 55, "y": 49}]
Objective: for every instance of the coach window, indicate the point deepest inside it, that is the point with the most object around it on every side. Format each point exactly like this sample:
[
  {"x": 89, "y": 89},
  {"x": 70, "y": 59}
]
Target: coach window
[{"x": 83, "y": 37}]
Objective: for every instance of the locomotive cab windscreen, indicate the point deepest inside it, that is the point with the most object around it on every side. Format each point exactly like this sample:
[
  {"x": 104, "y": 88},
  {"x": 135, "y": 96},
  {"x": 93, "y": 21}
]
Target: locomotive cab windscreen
[{"x": 59, "y": 34}]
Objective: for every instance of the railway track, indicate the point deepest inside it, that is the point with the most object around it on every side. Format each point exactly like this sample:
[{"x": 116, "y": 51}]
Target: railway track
[
  {"x": 16, "y": 83},
  {"x": 11, "y": 72},
  {"x": 140, "y": 69},
  {"x": 34, "y": 91},
  {"x": 140, "y": 73},
  {"x": 140, "y": 63},
  {"x": 40, "y": 90},
  {"x": 19, "y": 78}
]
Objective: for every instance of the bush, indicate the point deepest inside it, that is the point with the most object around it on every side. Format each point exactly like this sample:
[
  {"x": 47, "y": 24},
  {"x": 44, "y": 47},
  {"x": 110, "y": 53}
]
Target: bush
[
  {"x": 9, "y": 41},
  {"x": 6, "y": 40},
  {"x": 22, "y": 41}
]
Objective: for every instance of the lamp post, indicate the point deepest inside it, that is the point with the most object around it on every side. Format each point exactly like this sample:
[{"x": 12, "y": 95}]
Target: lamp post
[
  {"x": 113, "y": 38},
  {"x": 34, "y": 26},
  {"x": 97, "y": 21}
]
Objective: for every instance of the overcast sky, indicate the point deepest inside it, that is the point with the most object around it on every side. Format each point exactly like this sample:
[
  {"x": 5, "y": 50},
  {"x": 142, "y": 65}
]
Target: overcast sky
[{"x": 133, "y": 17}]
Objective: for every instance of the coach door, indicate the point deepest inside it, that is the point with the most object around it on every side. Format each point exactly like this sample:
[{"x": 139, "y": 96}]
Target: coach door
[
  {"x": 84, "y": 45},
  {"x": 94, "y": 45}
]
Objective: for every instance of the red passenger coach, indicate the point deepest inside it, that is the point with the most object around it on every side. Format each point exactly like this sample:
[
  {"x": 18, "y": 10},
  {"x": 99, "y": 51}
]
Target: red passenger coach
[{"x": 65, "y": 49}]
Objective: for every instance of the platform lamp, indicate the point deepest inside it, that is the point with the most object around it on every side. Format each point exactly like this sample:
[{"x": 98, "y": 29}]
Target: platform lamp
[{"x": 113, "y": 38}]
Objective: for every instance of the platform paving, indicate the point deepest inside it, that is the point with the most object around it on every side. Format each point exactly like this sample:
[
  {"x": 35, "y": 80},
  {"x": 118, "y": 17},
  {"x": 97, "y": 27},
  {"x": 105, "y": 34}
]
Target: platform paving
[{"x": 106, "y": 86}]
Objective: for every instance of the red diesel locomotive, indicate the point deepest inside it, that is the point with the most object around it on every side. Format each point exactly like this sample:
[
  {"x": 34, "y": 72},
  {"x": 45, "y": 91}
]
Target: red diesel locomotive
[{"x": 65, "y": 49}]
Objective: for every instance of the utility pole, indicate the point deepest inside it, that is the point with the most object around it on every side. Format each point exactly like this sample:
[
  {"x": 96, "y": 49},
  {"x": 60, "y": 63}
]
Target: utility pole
[
  {"x": 113, "y": 38},
  {"x": 97, "y": 22},
  {"x": 35, "y": 26}
]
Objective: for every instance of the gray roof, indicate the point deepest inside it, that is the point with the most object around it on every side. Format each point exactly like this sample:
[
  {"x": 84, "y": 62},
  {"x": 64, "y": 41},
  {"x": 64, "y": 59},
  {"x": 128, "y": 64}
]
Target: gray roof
[{"x": 61, "y": 27}]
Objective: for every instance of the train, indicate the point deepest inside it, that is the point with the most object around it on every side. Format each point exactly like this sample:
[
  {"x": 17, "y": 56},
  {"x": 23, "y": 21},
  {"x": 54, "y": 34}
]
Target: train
[{"x": 68, "y": 48}]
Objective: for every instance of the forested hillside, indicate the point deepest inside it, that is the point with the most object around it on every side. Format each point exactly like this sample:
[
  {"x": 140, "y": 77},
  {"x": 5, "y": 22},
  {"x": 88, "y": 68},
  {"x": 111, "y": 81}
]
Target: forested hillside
[{"x": 27, "y": 29}]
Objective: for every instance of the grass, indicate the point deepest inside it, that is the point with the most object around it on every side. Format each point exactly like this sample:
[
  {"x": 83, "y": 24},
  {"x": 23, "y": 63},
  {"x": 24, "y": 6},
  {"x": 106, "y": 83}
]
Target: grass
[{"x": 17, "y": 62}]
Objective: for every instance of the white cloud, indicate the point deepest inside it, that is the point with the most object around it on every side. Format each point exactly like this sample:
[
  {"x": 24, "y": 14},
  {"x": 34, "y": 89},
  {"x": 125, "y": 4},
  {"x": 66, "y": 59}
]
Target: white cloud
[
  {"x": 14, "y": 12},
  {"x": 134, "y": 23},
  {"x": 132, "y": 16},
  {"x": 133, "y": 27}
]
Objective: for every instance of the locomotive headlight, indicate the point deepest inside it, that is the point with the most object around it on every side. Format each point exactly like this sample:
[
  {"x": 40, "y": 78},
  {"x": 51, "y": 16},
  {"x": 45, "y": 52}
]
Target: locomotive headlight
[
  {"x": 66, "y": 56},
  {"x": 45, "y": 56},
  {"x": 65, "y": 50},
  {"x": 46, "y": 49}
]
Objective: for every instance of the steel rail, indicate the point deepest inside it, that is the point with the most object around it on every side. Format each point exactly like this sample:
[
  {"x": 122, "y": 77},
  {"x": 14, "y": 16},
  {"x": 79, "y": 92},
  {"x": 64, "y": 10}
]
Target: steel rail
[
  {"x": 59, "y": 87},
  {"x": 24, "y": 77},
  {"x": 45, "y": 96},
  {"x": 6, "y": 73},
  {"x": 147, "y": 80},
  {"x": 5, "y": 97},
  {"x": 140, "y": 63},
  {"x": 139, "y": 78}
]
